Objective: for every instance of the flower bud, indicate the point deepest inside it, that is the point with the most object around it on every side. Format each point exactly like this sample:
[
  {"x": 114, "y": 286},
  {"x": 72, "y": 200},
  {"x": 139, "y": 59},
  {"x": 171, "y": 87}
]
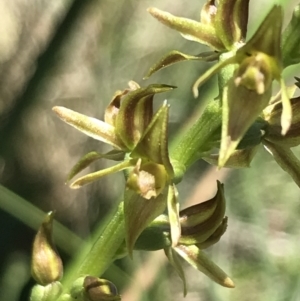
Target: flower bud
[
  {"x": 97, "y": 289},
  {"x": 46, "y": 266},
  {"x": 49, "y": 292},
  {"x": 89, "y": 288}
]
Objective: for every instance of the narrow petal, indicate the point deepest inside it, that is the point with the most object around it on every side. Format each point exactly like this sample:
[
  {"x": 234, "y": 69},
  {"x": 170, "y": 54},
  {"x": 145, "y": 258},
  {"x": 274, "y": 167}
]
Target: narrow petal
[
  {"x": 285, "y": 159},
  {"x": 240, "y": 158},
  {"x": 286, "y": 116},
  {"x": 198, "y": 259},
  {"x": 92, "y": 127},
  {"x": 91, "y": 157},
  {"x": 173, "y": 211},
  {"x": 87, "y": 179},
  {"x": 210, "y": 72},
  {"x": 175, "y": 262},
  {"x": 175, "y": 56}
]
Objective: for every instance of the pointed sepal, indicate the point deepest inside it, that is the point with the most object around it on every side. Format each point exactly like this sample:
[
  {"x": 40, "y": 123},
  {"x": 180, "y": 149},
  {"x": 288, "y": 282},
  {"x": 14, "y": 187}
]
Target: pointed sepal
[
  {"x": 154, "y": 143},
  {"x": 90, "y": 126},
  {"x": 135, "y": 113},
  {"x": 198, "y": 259},
  {"x": 175, "y": 262},
  {"x": 139, "y": 213},
  {"x": 216, "y": 236},
  {"x": 231, "y": 21},
  {"x": 240, "y": 158},
  {"x": 241, "y": 107},
  {"x": 200, "y": 232},
  {"x": 290, "y": 40},
  {"x": 189, "y": 29},
  {"x": 175, "y": 56}
]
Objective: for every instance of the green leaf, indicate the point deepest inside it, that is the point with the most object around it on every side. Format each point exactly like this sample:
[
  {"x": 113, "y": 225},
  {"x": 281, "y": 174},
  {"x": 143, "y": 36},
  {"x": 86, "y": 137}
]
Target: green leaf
[
  {"x": 198, "y": 259},
  {"x": 139, "y": 213},
  {"x": 175, "y": 56}
]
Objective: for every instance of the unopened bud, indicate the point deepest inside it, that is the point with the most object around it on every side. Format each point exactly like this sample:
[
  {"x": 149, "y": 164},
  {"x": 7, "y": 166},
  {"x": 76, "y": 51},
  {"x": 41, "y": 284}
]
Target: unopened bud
[
  {"x": 46, "y": 266},
  {"x": 97, "y": 289},
  {"x": 50, "y": 292}
]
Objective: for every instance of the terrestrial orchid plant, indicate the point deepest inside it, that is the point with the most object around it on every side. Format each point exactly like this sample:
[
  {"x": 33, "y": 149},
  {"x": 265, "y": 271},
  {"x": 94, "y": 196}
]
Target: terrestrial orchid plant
[{"x": 227, "y": 134}]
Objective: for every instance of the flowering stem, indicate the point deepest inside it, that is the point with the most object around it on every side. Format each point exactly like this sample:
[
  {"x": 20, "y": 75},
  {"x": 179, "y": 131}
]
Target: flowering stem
[
  {"x": 105, "y": 246},
  {"x": 193, "y": 143},
  {"x": 102, "y": 252}
]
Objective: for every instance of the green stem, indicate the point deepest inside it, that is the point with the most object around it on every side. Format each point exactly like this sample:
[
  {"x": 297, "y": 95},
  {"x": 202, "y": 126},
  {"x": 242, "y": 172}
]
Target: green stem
[
  {"x": 95, "y": 260},
  {"x": 105, "y": 247},
  {"x": 194, "y": 142}
]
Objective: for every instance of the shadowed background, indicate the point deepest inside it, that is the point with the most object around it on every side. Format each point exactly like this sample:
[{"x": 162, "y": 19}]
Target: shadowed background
[{"x": 77, "y": 54}]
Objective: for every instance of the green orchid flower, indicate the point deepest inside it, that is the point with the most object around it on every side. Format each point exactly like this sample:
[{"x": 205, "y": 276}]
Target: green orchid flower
[{"x": 139, "y": 139}]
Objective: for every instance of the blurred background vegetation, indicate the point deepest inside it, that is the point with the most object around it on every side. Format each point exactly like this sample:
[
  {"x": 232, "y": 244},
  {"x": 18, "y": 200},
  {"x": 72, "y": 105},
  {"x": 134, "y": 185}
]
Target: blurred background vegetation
[{"x": 76, "y": 54}]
